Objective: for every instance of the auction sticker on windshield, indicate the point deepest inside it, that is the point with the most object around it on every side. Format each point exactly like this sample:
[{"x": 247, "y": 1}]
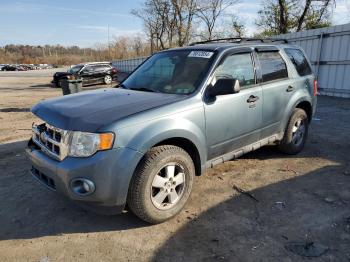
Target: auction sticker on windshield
[{"x": 202, "y": 54}]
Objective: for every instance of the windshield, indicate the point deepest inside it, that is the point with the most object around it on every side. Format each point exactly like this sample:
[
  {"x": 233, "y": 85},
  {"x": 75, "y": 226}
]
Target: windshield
[
  {"x": 75, "y": 69},
  {"x": 172, "y": 72}
]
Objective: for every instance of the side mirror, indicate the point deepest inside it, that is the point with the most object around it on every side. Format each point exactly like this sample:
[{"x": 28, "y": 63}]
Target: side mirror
[{"x": 224, "y": 86}]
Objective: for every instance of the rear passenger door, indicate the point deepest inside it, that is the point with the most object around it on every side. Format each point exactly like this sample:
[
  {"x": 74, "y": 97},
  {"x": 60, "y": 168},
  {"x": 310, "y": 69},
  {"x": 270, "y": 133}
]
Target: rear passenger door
[
  {"x": 101, "y": 72},
  {"x": 277, "y": 89}
]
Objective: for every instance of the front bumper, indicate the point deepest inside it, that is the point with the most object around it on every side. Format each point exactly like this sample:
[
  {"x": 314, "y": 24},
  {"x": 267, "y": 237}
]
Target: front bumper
[{"x": 109, "y": 170}]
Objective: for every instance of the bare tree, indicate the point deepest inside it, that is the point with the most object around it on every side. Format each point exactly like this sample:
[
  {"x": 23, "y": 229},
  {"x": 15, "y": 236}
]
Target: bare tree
[
  {"x": 184, "y": 11},
  {"x": 283, "y": 16},
  {"x": 209, "y": 11},
  {"x": 237, "y": 27},
  {"x": 154, "y": 14},
  {"x": 168, "y": 22}
]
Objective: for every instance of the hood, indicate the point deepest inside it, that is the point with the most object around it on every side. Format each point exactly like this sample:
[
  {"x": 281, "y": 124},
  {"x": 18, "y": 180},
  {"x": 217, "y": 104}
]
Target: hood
[{"x": 88, "y": 111}]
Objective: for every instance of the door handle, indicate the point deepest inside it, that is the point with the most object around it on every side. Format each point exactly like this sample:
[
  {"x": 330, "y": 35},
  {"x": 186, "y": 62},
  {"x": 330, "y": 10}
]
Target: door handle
[
  {"x": 290, "y": 89},
  {"x": 252, "y": 99}
]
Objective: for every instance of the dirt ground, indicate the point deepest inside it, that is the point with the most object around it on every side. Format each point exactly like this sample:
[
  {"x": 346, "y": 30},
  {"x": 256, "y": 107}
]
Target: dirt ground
[{"x": 297, "y": 206}]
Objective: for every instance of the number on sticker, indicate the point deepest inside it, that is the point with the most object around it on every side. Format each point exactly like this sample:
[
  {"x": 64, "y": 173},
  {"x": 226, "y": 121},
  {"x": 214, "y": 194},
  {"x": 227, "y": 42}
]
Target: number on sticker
[{"x": 201, "y": 54}]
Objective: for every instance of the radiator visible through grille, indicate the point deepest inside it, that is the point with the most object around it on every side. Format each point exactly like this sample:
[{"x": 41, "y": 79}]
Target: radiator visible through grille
[{"x": 51, "y": 140}]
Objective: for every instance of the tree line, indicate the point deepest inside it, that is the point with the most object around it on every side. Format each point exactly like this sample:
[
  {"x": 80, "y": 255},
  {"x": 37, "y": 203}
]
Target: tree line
[
  {"x": 118, "y": 48},
  {"x": 172, "y": 23}
]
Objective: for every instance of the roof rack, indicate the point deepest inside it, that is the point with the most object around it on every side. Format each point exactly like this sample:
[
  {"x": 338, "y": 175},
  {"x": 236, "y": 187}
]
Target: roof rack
[{"x": 240, "y": 39}]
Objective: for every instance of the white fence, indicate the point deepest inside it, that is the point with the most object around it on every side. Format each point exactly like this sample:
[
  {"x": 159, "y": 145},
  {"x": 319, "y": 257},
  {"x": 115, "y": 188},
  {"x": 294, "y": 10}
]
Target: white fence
[
  {"x": 327, "y": 48},
  {"x": 329, "y": 52}
]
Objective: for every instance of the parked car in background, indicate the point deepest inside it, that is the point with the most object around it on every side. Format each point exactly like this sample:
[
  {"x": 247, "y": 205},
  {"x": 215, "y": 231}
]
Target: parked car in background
[
  {"x": 90, "y": 73},
  {"x": 21, "y": 68},
  {"x": 10, "y": 68},
  {"x": 183, "y": 110}
]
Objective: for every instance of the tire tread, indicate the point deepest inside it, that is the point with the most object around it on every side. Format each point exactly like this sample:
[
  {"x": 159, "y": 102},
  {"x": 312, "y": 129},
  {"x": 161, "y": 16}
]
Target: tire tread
[{"x": 139, "y": 179}]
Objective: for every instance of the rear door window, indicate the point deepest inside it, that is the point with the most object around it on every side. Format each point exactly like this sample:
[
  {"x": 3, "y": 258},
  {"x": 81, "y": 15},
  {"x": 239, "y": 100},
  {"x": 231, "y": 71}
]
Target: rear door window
[
  {"x": 99, "y": 68},
  {"x": 299, "y": 60},
  {"x": 272, "y": 66}
]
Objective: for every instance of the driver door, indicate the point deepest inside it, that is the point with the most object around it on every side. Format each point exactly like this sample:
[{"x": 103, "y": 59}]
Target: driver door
[
  {"x": 234, "y": 120},
  {"x": 87, "y": 74}
]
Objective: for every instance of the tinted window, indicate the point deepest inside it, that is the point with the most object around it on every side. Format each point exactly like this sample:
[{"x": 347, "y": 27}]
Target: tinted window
[
  {"x": 299, "y": 60},
  {"x": 272, "y": 66},
  {"x": 174, "y": 72},
  {"x": 88, "y": 69},
  {"x": 101, "y": 68},
  {"x": 239, "y": 67},
  {"x": 74, "y": 69}
]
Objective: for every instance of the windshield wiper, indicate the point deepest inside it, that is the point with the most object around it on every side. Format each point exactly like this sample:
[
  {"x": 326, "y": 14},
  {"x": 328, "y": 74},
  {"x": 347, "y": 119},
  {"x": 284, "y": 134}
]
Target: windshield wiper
[{"x": 142, "y": 89}]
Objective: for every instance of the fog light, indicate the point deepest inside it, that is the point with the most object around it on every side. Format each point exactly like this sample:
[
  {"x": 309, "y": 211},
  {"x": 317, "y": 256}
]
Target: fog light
[{"x": 82, "y": 186}]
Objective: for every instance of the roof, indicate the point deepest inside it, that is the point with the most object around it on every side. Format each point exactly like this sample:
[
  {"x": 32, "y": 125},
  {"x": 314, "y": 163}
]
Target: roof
[
  {"x": 94, "y": 63},
  {"x": 224, "y": 46},
  {"x": 226, "y": 43}
]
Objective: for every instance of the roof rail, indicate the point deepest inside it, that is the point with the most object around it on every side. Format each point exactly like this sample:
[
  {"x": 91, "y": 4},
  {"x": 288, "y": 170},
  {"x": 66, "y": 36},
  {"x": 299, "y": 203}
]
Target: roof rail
[{"x": 241, "y": 39}]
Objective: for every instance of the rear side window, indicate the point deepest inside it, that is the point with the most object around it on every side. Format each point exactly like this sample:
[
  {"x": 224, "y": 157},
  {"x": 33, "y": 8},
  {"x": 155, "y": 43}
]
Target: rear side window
[
  {"x": 299, "y": 60},
  {"x": 272, "y": 66},
  {"x": 101, "y": 68}
]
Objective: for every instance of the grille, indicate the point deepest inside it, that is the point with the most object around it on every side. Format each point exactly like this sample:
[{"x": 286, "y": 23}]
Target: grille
[{"x": 51, "y": 140}]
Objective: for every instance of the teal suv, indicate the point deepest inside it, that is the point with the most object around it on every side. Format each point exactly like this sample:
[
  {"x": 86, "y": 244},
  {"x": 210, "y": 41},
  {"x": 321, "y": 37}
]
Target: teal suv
[{"x": 181, "y": 111}]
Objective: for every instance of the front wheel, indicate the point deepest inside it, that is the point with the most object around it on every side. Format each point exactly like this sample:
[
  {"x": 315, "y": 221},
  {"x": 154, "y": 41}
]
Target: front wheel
[
  {"x": 162, "y": 184},
  {"x": 296, "y": 133},
  {"x": 107, "y": 80}
]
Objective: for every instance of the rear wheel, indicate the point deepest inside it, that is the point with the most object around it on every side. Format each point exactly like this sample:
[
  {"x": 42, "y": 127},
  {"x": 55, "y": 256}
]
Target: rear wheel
[
  {"x": 107, "y": 80},
  {"x": 296, "y": 133},
  {"x": 162, "y": 184}
]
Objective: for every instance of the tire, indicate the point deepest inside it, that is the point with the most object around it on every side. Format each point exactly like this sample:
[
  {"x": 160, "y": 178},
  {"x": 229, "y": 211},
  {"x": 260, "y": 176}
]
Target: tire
[
  {"x": 296, "y": 133},
  {"x": 107, "y": 79},
  {"x": 59, "y": 83},
  {"x": 152, "y": 180}
]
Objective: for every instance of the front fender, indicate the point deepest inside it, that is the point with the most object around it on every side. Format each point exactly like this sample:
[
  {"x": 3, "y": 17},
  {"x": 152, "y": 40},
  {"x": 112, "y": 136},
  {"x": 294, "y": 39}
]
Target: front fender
[{"x": 144, "y": 137}]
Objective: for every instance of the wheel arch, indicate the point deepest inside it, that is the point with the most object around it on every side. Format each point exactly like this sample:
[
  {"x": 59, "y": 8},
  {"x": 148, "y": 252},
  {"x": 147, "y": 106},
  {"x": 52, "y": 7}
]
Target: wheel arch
[
  {"x": 306, "y": 106},
  {"x": 304, "y": 103},
  {"x": 188, "y": 146}
]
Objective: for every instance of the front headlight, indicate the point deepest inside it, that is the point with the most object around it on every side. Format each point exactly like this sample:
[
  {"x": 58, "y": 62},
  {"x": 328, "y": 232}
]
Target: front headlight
[{"x": 85, "y": 144}]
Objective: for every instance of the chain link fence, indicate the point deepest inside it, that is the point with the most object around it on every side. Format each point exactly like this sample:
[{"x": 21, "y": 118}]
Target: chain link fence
[{"x": 128, "y": 65}]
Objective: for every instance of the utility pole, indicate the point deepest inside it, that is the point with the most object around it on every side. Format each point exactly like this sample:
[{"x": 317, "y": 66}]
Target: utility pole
[{"x": 109, "y": 47}]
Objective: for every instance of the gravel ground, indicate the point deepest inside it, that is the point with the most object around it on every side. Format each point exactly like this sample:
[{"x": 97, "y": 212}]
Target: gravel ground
[{"x": 296, "y": 206}]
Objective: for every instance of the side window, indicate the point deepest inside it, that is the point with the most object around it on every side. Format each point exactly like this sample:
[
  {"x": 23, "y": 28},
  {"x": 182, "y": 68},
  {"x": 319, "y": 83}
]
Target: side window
[
  {"x": 272, "y": 66},
  {"x": 100, "y": 68},
  {"x": 239, "y": 67},
  {"x": 95, "y": 69},
  {"x": 299, "y": 60},
  {"x": 88, "y": 69}
]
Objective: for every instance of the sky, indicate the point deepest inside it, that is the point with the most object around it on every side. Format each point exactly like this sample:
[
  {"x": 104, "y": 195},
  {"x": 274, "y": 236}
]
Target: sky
[{"x": 85, "y": 23}]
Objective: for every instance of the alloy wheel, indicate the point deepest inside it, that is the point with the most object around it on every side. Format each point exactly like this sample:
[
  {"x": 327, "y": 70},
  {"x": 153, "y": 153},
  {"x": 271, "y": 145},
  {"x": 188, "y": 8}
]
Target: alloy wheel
[
  {"x": 298, "y": 131},
  {"x": 168, "y": 186}
]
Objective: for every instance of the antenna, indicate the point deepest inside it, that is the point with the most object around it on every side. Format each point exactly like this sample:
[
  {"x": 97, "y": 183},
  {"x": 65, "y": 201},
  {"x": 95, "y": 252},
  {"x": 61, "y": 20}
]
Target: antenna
[{"x": 109, "y": 47}]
